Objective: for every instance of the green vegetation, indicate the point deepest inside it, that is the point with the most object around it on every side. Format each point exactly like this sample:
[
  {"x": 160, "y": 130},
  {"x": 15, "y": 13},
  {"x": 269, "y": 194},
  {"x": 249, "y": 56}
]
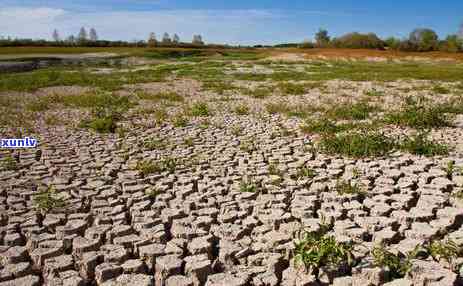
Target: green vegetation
[
  {"x": 347, "y": 188},
  {"x": 219, "y": 87},
  {"x": 446, "y": 250},
  {"x": 420, "y": 145},
  {"x": 374, "y": 93},
  {"x": 180, "y": 120},
  {"x": 9, "y": 164},
  {"x": 357, "y": 145},
  {"x": 147, "y": 167},
  {"x": 169, "y": 96},
  {"x": 242, "y": 109},
  {"x": 439, "y": 89},
  {"x": 398, "y": 266},
  {"x": 288, "y": 88},
  {"x": 47, "y": 200},
  {"x": 151, "y": 144},
  {"x": 315, "y": 250},
  {"x": 417, "y": 114},
  {"x": 305, "y": 172},
  {"x": 200, "y": 109},
  {"x": 152, "y": 193},
  {"x": 321, "y": 126},
  {"x": 351, "y": 111},
  {"x": 248, "y": 186}
]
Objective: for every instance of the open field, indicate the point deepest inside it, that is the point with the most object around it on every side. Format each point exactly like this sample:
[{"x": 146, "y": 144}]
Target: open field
[{"x": 229, "y": 167}]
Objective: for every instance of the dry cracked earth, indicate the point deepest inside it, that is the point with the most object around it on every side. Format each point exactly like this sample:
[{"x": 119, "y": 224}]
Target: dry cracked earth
[{"x": 228, "y": 209}]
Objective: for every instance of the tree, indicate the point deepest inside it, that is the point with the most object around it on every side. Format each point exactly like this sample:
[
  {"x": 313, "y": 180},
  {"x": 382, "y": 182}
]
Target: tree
[
  {"x": 56, "y": 37},
  {"x": 198, "y": 40},
  {"x": 460, "y": 32},
  {"x": 452, "y": 44},
  {"x": 93, "y": 35},
  {"x": 82, "y": 37},
  {"x": 166, "y": 39},
  {"x": 392, "y": 43},
  {"x": 71, "y": 39},
  {"x": 176, "y": 39},
  {"x": 152, "y": 40},
  {"x": 425, "y": 39},
  {"x": 322, "y": 38}
]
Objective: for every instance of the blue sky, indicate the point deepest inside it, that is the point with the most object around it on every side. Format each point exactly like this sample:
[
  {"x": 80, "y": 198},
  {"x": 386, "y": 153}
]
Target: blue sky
[{"x": 234, "y": 22}]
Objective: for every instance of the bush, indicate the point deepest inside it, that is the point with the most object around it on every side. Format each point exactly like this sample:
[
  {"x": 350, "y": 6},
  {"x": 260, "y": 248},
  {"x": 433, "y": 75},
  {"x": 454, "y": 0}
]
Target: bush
[
  {"x": 355, "y": 111},
  {"x": 323, "y": 125},
  {"x": 398, "y": 266},
  {"x": 200, "y": 109},
  {"x": 359, "y": 41},
  {"x": 48, "y": 200}
]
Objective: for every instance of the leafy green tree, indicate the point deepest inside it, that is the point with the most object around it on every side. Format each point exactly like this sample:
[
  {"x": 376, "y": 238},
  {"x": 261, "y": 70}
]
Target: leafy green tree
[
  {"x": 322, "y": 38},
  {"x": 425, "y": 39}
]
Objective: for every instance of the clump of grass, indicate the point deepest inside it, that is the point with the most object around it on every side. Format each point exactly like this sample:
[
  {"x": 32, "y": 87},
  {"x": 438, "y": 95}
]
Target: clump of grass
[
  {"x": 347, "y": 188},
  {"x": 273, "y": 170},
  {"x": 160, "y": 115},
  {"x": 200, "y": 109},
  {"x": 10, "y": 164},
  {"x": 374, "y": 93},
  {"x": 351, "y": 111},
  {"x": 152, "y": 193},
  {"x": 52, "y": 120},
  {"x": 419, "y": 144},
  {"x": 248, "y": 146},
  {"x": 449, "y": 169},
  {"x": 322, "y": 125},
  {"x": 305, "y": 172},
  {"x": 439, "y": 89},
  {"x": 317, "y": 249},
  {"x": 291, "y": 88},
  {"x": 261, "y": 92},
  {"x": 48, "y": 200},
  {"x": 418, "y": 115},
  {"x": 180, "y": 120},
  {"x": 101, "y": 125},
  {"x": 151, "y": 144},
  {"x": 242, "y": 109},
  {"x": 248, "y": 186},
  {"x": 147, "y": 167},
  {"x": 189, "y": 142},
  {"x": 275, "y": 108},
  {"x": 219, "y": 87},
  {"x": 398, "y": 266},
  {"x": 169, "y": 96},
  {"x": 447, "y": 250},
  {"x": 358, "y": 144}
]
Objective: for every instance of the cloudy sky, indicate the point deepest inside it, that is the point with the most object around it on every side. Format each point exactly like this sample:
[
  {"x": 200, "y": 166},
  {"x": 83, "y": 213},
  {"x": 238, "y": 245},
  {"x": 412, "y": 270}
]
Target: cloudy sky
[{"x": 233, "y": 22}]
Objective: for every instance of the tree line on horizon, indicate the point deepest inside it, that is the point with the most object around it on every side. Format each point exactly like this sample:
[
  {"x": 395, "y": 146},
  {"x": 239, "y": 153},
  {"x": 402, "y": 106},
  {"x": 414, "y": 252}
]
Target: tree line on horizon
[{"x": 419, "y": 40}]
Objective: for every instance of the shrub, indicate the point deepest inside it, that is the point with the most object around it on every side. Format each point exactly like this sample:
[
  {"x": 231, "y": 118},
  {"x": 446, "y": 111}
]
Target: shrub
[
  {"x": 359, "y": 41},
  {"x": 180, "y": 121},
  {"x": 248, "y": 186},
  {"x": 363, "y": 144},
  {"x": 103, "y": 125},
  {"x": 323, "y": 125},
  {"x": 447, "y": 250},
  {"x": 151, "y": 144},
  {"x": 10, "y": 164},
  {"x": 305, "y": 172},
  {"x": 291, "y": 88},
  {"x": 147, "y": 167}
]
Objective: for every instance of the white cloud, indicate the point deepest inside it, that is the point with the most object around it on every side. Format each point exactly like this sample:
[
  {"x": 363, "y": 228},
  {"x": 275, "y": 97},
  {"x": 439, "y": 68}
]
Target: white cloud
[{"x": 219, "y": 26}]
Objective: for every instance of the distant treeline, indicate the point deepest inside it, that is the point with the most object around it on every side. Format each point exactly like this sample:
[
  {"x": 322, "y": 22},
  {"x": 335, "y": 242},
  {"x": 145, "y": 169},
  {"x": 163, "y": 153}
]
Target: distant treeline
[{"x": 419, "y": 40}]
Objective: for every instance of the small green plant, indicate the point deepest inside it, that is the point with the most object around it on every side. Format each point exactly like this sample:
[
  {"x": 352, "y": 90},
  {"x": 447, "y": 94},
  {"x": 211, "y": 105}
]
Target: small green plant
[
  {"x": 151, "y": 144},
  {"x": 160, "y": 115},
  {"x": 189, "y": 142},
  {"x": 419, "y": 144},
  {"x": 248, "y": 146},
  {"x": 248, "y": 186},
  {"x": 52, "y": 120},
  {"x": 305, "y": 172},
  {"x": 450, "y": 169},
  {"x": 273, "y": 169},
  {"x": 374, "y": 93},
  {"x": 447, "y": 250},
  {"x": 458, "y": 194},
  {"x": 358, "y": 144},
  {"x": 347, "y": 188},
  {"x": 10, "y": 164},
  {"x": 317, "y": 249},
  {"x": 237, "y": 131},
  {"x": 147, "y": 167},
  {"x": 200, "y": 109},
  {"x": 242, "y": 109},
  {"x": 180, "y": 121},
  {"x": 323, "y": 125},
  {"x": 47, "y": 200},
  {"x": 398, "y": 266},
  {"x": 152, "y": 193}
]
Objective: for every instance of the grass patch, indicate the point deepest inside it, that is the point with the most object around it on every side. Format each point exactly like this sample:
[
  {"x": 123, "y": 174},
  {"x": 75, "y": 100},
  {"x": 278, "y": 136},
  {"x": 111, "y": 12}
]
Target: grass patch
[
  {"x": 288, "y": 88},
  {"x": 219, "y": 87},
  {"x": 9, "y": 164},
  {"x": 417, "y": 114},
  {"x": 200, "y": 109},
  {"x": 357, "y": 145},
  {"x": 248, "y": 186},
  {"x": 419, "y": 144},
  {"x": 439, "y": 89},
  {"x": 180, "y": 120},
  {"x": 47, "y": 200},
  {"x": 169, "y": 96},
  {"x": 347, "y": 188},
  {"x": 242, "y": 109},
  {"x": 351, "y": 111},
  {"x": 374, "y": 93},
  {"x": 398, "y": 266}
]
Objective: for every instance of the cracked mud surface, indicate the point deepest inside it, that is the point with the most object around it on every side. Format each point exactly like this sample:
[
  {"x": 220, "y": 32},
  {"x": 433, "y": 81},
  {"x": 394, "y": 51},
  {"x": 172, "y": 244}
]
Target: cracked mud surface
[{"x": 192, "y": 224}]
